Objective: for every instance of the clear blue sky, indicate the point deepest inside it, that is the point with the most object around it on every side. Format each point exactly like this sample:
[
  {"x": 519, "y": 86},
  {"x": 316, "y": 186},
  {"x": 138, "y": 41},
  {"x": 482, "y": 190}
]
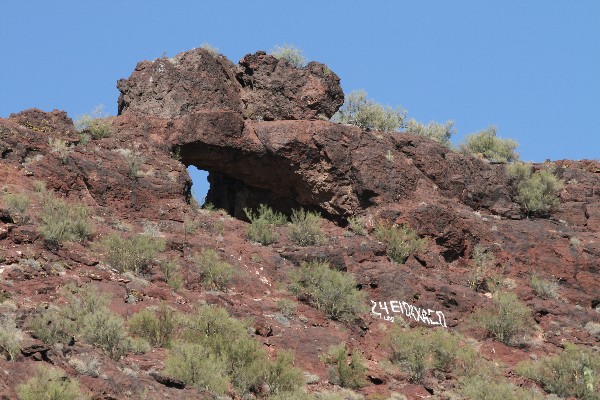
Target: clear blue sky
[{"x": 532, "y": 68}]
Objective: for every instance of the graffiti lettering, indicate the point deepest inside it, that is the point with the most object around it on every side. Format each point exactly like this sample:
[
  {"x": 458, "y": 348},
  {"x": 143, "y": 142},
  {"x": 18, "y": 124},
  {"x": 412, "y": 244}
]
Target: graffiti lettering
[{"x": 426, "y": 316}]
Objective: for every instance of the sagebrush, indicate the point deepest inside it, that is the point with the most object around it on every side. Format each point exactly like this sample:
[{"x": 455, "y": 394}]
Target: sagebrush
[
  {"x": 359, "y": 110},
  {"x": 61, "y": 221},
  {"x": 290, "y": 53},
  {"x": 573, "y": 373},
  {"x": 347, "y": 367},
  {"x": 441, "y": 133},
  {"x": 506, "y": 318},
  {"x": 134, "y": 253},
  {"x": 305, "y": 229},
  {"x": 216, "y": 350},
  {"x": 486, "y": 144},
  {"x": 536, "y": 192},
  {"x": 215, "y": 273},
  {"x": 51, "y": 384},
  {"x": 401, "y": 241},
  {"x": 331, "y": 291}
]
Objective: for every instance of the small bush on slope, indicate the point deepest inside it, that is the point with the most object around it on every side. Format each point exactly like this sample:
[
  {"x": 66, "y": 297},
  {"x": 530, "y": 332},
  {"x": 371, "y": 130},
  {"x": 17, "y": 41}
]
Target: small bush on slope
[
  {"x": 537, "y": 192},
  {"x": 262, "y": 225},
  {"x": 490, "y": 146},
  {"x": 331, "y": 291},
  {"x": 506, "y": 318},
  {"x": 60, "y": 221},
  {"x": 16, "y": 203},
  {"x": 544, "y": 288},
  {"x": 290, "y": 53},
  {"x": 573, "y": 373},
  {"x": 131, "y": 254},
  {"x": 401, "y": 241},
  {"x": 215, "y": 273},
  {"x": 305, "y": 229},
  {"x": 435, "y": 131},
  {"x": 10, "y": 336},
  {"x": 94, "y": 124},
  {"x": 486, "y": 382},
  {"x": 360, "y": 111},
  {"x": 157, "y": 327},
  {"x": 347, "y": 368},
  {"x": 50, "y": 384},
  {"x": 85, "y": 315},
  {"x": 236, "y": 357},
  {"x": 419, "y": 350}
]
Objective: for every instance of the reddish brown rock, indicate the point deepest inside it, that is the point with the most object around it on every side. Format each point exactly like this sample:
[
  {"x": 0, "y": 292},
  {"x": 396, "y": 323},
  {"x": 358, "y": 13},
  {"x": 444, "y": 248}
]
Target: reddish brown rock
[
  {"x": 261, "y": 86},
  {"x": 453, "y": 201},
  {"x": 274, "y": 90}
]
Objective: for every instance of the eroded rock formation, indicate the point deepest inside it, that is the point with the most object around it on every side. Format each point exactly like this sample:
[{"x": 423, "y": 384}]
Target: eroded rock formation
[{"x": 258, "y": 127}]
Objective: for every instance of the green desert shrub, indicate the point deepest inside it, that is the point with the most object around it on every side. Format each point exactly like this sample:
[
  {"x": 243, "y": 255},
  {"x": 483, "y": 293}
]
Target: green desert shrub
[
  {"x": 214, "y": 272},
  {"x": 347, "y": 368},
  {"x": 287, "y": 307},
  {"x": 359, "y": 110},
  {"x": 10, "y": 339},
  {"x": 487, "y": 383},
  {"x": 305, "y": 229},
  {"x": 197, "y": 366},
  {"x": 490, "y": 147},
  {"x": 479, "y": 275},
  {"x": 133, "y": 253},
  {"x": 418, "y": 351},
  {"x": 236, "y": 356},
  {"x": 401, "y": 241},
  {"x": 331, "y": 291},
  {"x": 210, "y": 48},
  {"x": 505, "y": 318},
  {"x": 16, "y": 203},
  {"x": 544, "y": 288},
  {"x": 50, "y": 384},
  {"x": 84, "y": 315},
  {"x": 60, "y": 325},
  {"x": 60, "y": 221},
  {"x": 53, "y": 326},
  {"x": 83, "y": 300},
  {"x": 94, "y": 124},
  {"x": 357, "y": 225},
  {"x": 170, "y": 270},
  {"x": 573, "y": 373},
  {"x": 290, "y": 53},
  {"x": 156, "y": 326},
  {"x": 281, "y": 375},
  {"x": 262, "y": 225},
  {"x": 537, "y": 192},
  {"x": 435, "y": 131},
  {"x": 61, "y": 148},
  {"x": 106, "y": 330}
]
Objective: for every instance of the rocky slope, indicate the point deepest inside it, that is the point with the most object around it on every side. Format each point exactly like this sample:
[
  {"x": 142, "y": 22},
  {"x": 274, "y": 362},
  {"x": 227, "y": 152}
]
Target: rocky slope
[{"x": 260, "y": 128}]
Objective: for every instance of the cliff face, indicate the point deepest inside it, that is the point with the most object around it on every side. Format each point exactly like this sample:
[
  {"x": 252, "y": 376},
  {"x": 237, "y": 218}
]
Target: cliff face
[{"x": 260, "y": 128}]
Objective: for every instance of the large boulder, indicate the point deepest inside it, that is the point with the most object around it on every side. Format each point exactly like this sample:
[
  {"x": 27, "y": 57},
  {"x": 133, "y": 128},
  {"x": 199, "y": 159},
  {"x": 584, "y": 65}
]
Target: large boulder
[
  {"x": 275, "y": 90},
  {"x": 261, "y": 86}
]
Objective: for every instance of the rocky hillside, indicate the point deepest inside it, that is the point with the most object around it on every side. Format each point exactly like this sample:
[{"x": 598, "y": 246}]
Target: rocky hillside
[{"x": 261, "y": 129}]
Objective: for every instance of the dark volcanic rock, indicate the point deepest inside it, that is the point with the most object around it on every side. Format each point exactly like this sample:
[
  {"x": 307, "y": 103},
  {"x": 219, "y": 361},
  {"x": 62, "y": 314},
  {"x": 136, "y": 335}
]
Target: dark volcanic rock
[
  {"x": 171, "y": 87},
  {"x": 40, "y": 121},
  {"x": 261, "y": 86},
  {"x": 274, "y": 90},
  {"x": 254, "y": 128}
]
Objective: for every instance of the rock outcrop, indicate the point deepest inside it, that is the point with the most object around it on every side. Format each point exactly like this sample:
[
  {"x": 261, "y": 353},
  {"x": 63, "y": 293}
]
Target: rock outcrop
[
  {"x": 261, "y": 87},
  {"x": 260, "y": 129}
]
